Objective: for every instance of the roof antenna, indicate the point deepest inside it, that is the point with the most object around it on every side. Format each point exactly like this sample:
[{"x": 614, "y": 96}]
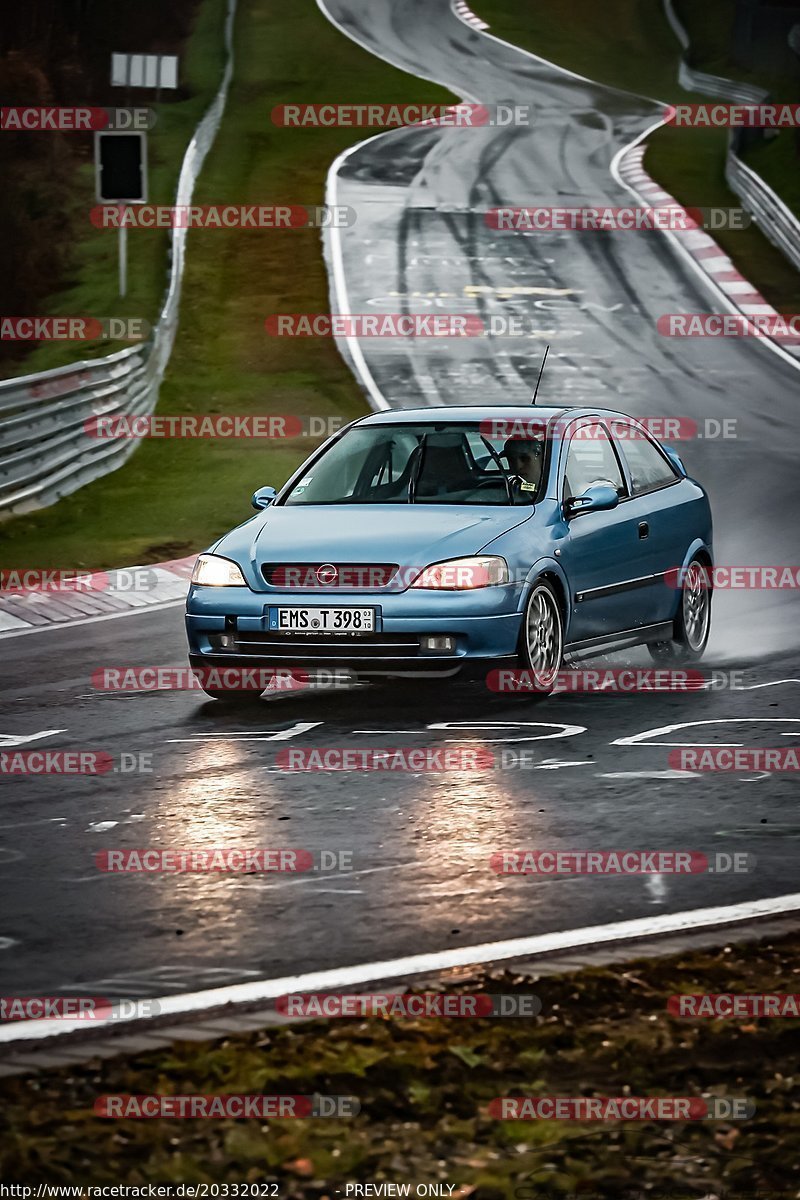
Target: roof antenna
[{"x": 541, "y": 368}]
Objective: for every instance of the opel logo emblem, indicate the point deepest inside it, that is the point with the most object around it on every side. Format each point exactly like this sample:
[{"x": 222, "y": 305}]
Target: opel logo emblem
[{"x": 327, "y": 574}]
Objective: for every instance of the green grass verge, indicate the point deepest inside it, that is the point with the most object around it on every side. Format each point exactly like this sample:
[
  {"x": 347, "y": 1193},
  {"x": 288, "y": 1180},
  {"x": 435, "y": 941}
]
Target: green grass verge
[
  {"x": 623, "y": 43},
  {"x": 174, "y": 497},
  {"x": 424, "y": 1086},
  {"x": 93, "y": 289},
  {"x": 629, "y": 44}
]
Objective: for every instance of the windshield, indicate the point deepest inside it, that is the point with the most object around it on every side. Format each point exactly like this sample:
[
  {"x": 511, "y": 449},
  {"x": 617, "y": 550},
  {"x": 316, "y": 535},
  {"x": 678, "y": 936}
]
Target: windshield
[{"x": 422, "y": 464}]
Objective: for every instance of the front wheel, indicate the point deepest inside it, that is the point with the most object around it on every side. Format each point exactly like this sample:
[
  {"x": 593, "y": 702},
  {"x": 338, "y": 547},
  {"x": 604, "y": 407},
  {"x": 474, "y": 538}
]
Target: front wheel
[
  {"x": 541, "y": 651},
  {"x": 693, "y": 622}
]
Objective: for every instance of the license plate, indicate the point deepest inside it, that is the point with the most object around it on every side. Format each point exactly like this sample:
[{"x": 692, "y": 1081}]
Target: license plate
[{"x": 322, "y": 620}]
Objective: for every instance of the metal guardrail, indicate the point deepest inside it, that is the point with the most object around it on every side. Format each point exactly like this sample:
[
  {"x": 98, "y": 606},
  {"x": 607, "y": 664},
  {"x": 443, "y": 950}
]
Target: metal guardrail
[
  {"x": 771, "y": 215},
  {"x": 700, "y": 81},
  {"x": 774, "y": 219},
  {"x": 716, "y": 85},
  {"x": 45, "y": 451}
]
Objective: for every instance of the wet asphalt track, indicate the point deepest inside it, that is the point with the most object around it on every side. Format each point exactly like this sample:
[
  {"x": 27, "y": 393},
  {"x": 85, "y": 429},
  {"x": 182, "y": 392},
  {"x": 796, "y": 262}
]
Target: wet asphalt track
[{"x": 421, "y": 844}]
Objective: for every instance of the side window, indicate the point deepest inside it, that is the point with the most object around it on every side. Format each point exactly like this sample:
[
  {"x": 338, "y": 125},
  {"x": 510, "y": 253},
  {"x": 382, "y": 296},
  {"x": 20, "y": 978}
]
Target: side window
[
  {"x": 648, "y": 467},
  {"x": 590, "y": 460}
]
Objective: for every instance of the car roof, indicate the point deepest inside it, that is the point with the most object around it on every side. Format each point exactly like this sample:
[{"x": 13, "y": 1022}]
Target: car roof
[{"x": 480, "y": 412}]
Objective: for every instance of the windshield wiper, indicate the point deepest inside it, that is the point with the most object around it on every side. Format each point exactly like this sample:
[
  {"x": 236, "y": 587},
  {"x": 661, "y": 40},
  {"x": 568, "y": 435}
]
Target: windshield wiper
[
  {"x": 506, "y": 476},
  {"x": 416, "y": 470}
]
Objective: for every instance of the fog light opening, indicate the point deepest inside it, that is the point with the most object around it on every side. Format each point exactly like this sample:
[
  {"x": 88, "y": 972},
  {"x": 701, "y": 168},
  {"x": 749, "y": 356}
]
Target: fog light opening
[{"x": 438, "y": 644}]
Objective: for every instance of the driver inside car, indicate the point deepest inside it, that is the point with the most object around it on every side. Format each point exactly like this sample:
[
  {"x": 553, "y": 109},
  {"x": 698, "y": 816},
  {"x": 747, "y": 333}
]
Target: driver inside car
[{"x": 524, "y": 457}]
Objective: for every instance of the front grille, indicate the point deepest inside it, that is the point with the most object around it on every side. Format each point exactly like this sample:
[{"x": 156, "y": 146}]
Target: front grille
[
  {"x": 316, "y": 647},
  {"x": 350, "y": 577}
]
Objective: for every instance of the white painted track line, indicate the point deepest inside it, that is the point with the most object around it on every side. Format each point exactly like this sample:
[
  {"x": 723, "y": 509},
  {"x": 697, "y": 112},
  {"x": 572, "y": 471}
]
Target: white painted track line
[{"x": 194, "y": 1004}]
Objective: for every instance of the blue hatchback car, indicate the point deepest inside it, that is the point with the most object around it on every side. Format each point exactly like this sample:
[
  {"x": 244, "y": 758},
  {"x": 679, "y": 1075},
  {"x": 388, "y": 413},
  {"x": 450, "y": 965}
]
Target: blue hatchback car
[{"x": 429, "y": 542}]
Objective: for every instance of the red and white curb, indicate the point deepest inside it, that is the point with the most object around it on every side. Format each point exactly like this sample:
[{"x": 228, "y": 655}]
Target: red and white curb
[
  {"x": 465, "y": 14},
  {"x": 96, "y": 596},
  {"x": 706, "y": 254}
]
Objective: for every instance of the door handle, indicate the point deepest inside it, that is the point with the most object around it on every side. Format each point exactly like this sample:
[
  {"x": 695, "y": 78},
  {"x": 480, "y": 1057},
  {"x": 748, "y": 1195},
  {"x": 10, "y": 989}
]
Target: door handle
[{"x": 644, "y": 529}]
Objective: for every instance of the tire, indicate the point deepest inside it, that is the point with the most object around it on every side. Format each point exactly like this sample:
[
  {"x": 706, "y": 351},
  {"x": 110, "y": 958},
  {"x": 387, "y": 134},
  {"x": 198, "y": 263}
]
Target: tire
[
  {"x": 541, "y": 648},
  {"x": 693, "y": 623}
]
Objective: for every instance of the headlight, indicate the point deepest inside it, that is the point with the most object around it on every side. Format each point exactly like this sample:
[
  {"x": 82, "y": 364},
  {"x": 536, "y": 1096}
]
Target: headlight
[
  {"x": 463, "y": 574},
  {"x": 211, "y": 571}
]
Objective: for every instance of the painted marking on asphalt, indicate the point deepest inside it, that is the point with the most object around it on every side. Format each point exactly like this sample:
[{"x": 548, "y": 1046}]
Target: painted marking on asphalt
[
  {"x": 656, "y": 888},
  {"x": 754, "y": 687},
  {"x": 637, "y": 739},
  {"x": 192, "y": 1003},
  {"x": 554, "y": 764},
  {"x": 565, "y": 730},
  {"x": 21, "y": 739},
  {"x": 143, "y": 983},
  {"x": 648, "y": 774},
  {"x": 478, "y": 289},
  {"x": 259, "y": 735},
  {"x": 266, "y": 886}
]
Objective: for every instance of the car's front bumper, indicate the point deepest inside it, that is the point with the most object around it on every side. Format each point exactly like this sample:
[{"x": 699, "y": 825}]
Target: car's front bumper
[{"x": 230, "y": 626}]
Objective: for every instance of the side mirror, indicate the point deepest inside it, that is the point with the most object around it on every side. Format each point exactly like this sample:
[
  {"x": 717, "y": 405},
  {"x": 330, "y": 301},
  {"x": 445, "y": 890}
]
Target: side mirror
[
  {"x": 263, "y": 497},
  {"x": 598, "y": 498}
]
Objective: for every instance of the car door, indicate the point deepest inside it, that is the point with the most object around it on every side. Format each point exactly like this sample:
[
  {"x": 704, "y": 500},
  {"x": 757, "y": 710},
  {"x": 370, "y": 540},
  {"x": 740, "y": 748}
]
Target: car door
[
  {"x": 605, "y": 556},
  {"x": 656, "y": 487}
]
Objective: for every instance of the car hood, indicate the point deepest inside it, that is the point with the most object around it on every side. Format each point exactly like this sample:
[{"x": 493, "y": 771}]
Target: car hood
[{"x": 409, "y": 535}]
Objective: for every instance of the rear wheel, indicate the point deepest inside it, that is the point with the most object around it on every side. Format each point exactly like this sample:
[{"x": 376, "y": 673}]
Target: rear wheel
[
  {"x": 541, "y": 651},
  {"x": 693, "y": 622}
]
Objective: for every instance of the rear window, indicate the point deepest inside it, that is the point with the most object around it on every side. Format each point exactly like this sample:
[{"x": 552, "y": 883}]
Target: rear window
[{"x": 649, "y": 466}]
